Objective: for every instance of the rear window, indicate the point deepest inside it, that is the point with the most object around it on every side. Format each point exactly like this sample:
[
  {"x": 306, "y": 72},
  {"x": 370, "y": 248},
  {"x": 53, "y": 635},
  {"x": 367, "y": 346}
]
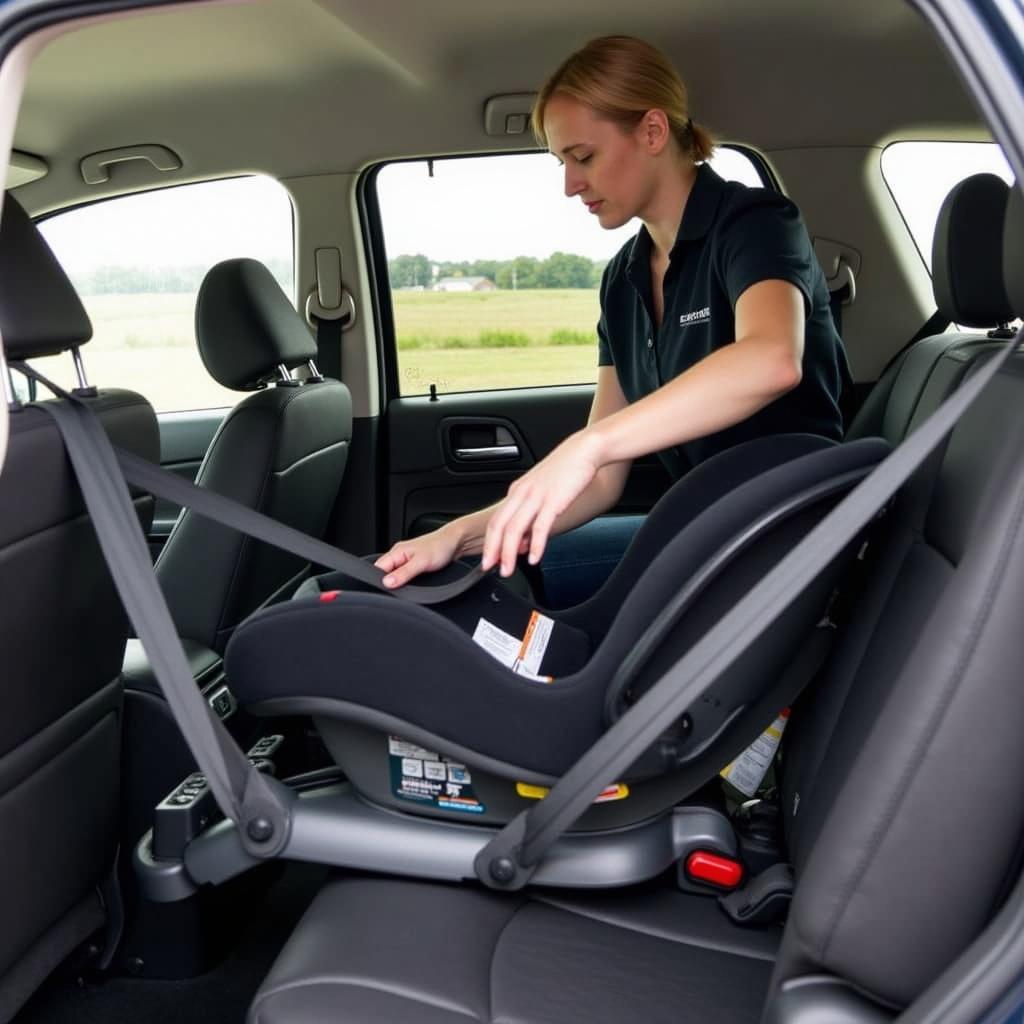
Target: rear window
[
  {"x": 494, "y": 273},
  {"x": 921, "y": 174}
]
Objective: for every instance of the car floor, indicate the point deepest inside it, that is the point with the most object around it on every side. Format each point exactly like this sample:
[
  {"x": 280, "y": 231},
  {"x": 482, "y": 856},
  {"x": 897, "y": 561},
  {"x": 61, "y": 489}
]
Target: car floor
[{"x": 220, "y": 996}]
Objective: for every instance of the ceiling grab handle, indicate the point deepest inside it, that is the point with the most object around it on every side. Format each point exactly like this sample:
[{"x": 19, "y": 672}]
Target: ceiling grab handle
[{"x": 95, "y": 167}]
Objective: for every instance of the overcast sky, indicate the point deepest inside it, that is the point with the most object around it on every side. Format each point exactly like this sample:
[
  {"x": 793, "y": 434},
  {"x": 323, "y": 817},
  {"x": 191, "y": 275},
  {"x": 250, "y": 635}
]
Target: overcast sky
[{"x": 482, "y": 208}]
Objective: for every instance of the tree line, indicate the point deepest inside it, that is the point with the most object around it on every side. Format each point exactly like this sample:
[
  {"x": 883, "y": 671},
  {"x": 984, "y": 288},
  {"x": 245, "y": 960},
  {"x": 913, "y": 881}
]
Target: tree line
[
  {"x": 559, "y": 270},
  {"x": 132, "y": 279}
]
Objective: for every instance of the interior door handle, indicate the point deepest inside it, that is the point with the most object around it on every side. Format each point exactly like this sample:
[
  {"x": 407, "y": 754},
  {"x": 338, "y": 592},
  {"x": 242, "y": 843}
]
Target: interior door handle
[{"x": 494, "y": 451}]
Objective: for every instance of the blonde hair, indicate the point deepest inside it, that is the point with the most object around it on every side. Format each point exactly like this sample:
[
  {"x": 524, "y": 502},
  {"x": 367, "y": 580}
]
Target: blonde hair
[{"x": 620, "y": 78}]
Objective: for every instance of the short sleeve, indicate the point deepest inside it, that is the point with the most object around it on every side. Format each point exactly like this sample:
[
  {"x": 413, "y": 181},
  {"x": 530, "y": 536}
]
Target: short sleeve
[
  {"x": 604, "y": 348},
  {"x": 766, "y": 241}
]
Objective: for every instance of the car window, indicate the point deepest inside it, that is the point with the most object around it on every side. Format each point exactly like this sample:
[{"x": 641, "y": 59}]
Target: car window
[
  {"x": 920, "y": 174},
  {"x": 494, "y": 273},
  {"x": 137, "y": 261}
]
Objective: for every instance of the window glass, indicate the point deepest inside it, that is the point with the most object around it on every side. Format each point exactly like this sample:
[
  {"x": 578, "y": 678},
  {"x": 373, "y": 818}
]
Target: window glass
[
  {"x": 921, "y": 174},
  {"x": 137, "y": 261},
  {"x": 494, "y": 273}
]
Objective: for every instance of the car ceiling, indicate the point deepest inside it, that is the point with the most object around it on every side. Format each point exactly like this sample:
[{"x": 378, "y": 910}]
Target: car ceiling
[{"x": 300, "y": 87}]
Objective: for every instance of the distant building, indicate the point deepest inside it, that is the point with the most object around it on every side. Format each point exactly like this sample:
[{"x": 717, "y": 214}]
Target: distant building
[{"x": 464, "y": 284}]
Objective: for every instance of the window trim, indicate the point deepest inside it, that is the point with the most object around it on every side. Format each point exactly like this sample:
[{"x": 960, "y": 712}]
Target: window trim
[{"x": 375, "y": 251}]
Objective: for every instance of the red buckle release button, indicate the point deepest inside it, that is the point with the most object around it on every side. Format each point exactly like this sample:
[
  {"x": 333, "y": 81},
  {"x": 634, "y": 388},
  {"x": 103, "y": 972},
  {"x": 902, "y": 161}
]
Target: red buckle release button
[
  {"x": 329, "y": 595},
  {"x": 713, "y": 869}
]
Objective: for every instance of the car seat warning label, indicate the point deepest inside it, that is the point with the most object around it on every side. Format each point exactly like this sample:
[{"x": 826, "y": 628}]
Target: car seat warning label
[
  {"x": 428, "y": 778},
  {"x": 522, "y": 656}
]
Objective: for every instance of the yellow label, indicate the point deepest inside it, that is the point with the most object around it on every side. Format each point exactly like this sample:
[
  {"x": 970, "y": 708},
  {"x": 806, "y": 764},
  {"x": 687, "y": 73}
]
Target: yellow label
[{"x": 616, "y": 791}]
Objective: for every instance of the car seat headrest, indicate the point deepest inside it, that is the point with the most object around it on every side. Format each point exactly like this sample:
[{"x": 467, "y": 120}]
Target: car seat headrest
[
  {"x": 40, "y": 311},
  {"x": 967, "y": 261},
  {"x": 1013, "y": 251},
  {"x": 246, "y": 327}
]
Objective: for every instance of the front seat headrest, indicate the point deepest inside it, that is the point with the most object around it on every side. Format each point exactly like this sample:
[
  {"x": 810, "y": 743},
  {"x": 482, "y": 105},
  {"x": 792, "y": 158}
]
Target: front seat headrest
[
  {"x": 1013, "y": 251},
  {"x": 967, "y": 257},
  {"x": 40, "y": 311},
  {"x": 246, "y": 327}
]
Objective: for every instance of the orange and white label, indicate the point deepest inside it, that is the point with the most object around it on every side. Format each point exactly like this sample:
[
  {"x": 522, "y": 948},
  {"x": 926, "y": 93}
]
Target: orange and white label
[{"x": 524, "y": 656}]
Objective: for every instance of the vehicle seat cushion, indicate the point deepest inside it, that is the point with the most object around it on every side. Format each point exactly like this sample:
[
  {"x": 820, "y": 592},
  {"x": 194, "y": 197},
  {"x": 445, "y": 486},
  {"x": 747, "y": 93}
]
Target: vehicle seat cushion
[
  {"x": 246, "y": 326},
  {"x": 405, "y": 952}
]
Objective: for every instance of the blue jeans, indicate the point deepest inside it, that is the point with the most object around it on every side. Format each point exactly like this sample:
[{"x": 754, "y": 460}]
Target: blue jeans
[{"x": 576, "y": 563}]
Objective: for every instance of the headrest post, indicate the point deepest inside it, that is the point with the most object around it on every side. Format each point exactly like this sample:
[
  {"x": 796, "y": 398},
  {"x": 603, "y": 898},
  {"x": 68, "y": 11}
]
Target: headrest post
[
  {"x": 315, "y": 376},
  {"x": 10, "y": 395},
  {"x": 285, "y": 373},
  {"x": 76, "y": 355}
]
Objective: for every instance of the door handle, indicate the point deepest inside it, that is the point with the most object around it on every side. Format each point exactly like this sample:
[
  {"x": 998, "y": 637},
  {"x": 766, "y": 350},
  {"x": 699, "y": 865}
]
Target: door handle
[{"x": 494, "y": 451}]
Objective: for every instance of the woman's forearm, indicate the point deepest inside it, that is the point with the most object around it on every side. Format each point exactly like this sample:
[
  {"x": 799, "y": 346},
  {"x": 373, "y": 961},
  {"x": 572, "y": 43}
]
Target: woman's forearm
[{"x": 723, "y": 389}]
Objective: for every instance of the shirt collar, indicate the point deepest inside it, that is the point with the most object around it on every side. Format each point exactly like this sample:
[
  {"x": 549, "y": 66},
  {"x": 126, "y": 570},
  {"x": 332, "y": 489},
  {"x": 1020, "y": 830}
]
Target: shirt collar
[{"x": 698, "y": 216}]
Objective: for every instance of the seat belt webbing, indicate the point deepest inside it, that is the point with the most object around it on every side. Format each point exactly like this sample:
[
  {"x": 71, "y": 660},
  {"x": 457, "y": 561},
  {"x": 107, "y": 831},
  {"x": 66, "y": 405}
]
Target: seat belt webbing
[
  {"x": 242, "y": 792},
  {"x": 511, "y": 857}
]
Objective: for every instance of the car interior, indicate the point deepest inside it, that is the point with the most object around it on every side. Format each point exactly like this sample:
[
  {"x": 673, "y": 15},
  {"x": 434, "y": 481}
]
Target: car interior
[{"x": 240, "y": 782}]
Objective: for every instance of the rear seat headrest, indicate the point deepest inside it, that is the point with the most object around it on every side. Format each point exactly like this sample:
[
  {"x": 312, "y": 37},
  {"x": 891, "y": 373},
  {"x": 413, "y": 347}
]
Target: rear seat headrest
[
  {"x": 967, "y": 258},
  {"x": 40, "y": 311},
  {"x": 1013, "y": 251},
  {"x": 246, "y": 327}
]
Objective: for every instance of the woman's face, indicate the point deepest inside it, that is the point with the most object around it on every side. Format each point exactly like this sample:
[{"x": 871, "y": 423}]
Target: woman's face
[{"x": 609, "y": 168}]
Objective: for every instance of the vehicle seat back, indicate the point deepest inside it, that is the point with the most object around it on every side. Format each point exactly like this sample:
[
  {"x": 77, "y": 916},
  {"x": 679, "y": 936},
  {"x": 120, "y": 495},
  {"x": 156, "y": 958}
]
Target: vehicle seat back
[
  {"x": 280, "y": 451},
  {"x": 898, "y": 793},
  {"x": 62, "y": 634},
  {"x": 967, "y": 280}
]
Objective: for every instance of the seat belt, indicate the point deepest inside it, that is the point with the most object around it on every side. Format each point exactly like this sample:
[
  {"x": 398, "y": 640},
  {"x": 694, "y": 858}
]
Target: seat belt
[
  {"x": 509, "y": 860},
  {"x": 174, "y": 488}
]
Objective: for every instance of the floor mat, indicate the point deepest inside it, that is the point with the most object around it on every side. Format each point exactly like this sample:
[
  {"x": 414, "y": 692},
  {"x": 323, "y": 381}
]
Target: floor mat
[{"x": 221, "y": 996}]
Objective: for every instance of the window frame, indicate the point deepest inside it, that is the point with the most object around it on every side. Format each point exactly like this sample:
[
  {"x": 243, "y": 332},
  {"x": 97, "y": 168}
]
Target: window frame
[{"x": 375, "y": 251}]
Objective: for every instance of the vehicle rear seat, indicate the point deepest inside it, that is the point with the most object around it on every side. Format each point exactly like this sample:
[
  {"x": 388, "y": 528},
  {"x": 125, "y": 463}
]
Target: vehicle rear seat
[
  {"x": 898, "y": 821},
  {"x": 967, "y": 280}
]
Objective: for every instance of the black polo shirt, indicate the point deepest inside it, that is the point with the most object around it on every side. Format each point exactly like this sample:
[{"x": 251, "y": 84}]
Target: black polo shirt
[{"x": 730, "y": 238}]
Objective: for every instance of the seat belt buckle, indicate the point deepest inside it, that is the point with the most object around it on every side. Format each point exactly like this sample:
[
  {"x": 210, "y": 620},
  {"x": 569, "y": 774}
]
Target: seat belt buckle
[{"x": 763, "y": 900}]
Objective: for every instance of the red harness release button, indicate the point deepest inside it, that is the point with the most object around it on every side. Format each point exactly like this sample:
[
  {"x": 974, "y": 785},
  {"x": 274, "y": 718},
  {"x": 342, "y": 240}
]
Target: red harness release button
[
  {"x": 329, "y": 595},
  {"x": 714, "y": 869}
]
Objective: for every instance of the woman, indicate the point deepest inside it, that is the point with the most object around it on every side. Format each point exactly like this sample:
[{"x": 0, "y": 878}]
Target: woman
[{"x": 715, "y": 324}]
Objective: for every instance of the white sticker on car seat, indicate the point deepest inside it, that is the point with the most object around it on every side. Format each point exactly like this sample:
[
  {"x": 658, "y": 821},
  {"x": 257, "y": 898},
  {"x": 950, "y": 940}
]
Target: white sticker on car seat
[
  {"x": 747, "y": 772},
  {"x": 497, "y": 643},
  {"x": 522, "y": 656}
]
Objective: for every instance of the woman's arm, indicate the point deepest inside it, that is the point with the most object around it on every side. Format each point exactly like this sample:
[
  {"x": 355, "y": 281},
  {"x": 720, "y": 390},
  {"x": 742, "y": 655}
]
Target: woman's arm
[
  {"x": 723, "y": 389},
  {"x": 465, "y": 535}
]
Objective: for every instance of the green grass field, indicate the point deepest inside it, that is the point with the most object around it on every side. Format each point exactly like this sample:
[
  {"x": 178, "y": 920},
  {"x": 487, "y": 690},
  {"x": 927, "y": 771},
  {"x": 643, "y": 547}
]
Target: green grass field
[{"x": 460, "y": 342}]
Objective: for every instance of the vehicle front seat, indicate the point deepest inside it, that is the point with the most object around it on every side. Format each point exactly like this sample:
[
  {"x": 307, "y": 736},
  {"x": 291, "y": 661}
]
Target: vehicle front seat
[
  {"x": 62, "y": 638},
  {"x": 967, "y": 281},
  {"x": 281, "y": 451}
]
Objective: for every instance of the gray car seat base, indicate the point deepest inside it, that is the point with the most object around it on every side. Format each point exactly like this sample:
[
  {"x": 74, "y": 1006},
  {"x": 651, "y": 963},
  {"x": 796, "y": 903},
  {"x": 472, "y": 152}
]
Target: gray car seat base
[{"x": 333, "y": 825}]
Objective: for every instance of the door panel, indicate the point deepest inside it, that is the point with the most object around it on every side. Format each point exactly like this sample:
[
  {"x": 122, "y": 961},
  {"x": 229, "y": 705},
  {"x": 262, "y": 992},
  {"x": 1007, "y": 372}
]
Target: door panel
[
  {"x": 456, "y": 453},
  {"x": 184, "y": 438}
]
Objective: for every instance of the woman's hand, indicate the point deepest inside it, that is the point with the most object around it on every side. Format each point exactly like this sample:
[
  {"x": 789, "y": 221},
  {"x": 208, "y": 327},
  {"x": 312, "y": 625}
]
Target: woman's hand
[
  {"x": 408, "y": 558},
  {"x": 522, "y": 522}
]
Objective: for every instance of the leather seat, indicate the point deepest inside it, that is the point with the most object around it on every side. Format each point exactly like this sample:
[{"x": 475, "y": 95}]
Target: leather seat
[
  {"x": 63, "y": 633},
  {"x": 967, "y": 281},
  {"x": 897, "y": 821},
  {"x": 280, "y": 451}
]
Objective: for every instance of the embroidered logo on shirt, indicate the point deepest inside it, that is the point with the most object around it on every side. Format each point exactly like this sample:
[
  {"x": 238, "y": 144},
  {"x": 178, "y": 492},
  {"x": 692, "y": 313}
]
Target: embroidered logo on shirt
[{"x": 698, "y": 316}]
